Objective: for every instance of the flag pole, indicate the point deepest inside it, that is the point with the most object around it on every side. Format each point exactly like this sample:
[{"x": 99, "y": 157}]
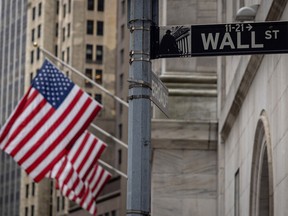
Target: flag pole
[
  {"x": 112, "y": 168},
  {"x": 110, "y": 136},
  {"x": 82, "y": 75}
]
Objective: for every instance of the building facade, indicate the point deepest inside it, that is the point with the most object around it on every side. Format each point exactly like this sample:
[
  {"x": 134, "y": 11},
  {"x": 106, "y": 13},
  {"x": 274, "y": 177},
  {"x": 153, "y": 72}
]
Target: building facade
[
  {"x": 12, "y": 67},
  {"x": 184, "y": 163},
  {"x": 252, "y": 102},
  {"x": 83, "y": 35}
]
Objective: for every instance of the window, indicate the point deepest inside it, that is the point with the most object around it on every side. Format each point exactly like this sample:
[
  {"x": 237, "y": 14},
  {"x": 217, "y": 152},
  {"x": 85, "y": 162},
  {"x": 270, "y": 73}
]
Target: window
[
  {"x": 68, "y": 54},
  {"x": 68, "y": 30},
  {"x": 98, "y": 76},
  {"x": 119, "y": 156},
  {"x": 69, "y": 6},
  {"x": 90, "y": 5},
  {"x": 39, "y": 31},
  {"x": 99, "y": 54},
  {"x": 56, "y": 29},
  {"x": 90, "y": 25},
  {"x": 32, "y": 57},
  {"x": 32, "y": 210},
  {"x": 39, "y": 9},
  {"x": 63, "y": 203},
  {"x": 64, "y": 10},
  {"x": 89, "y": 52},
  {"x": 113, "y": 213},
  {"x": 57, "y": 7},
  {"x": 33, "y": 13},
  {"x": 120, "y": 131},
  {"x": 100, "y": 28},
  {"x": 33, "y": 35},
  {"x": 123, "y": 7},
  {"x": 63, "y": 55},
  {"x": 98, "y": 97},
  {"x": 38, "y": 53},
  {"x": 121, "y": 80},
  {"x": 122, "y": 56},
  {"x": 56, "y": 50},
  {"x": 58, "y": 203},
  {"x": 26, "y": 211},
  {"x": 31, "y": 79},
  {"x": 33, "y": 189},
  {"x": 88, "y": 73},
  {"x": 100, "y": 6},
  {"x": 27, "y": 185},
  {"x": 63, "y": 34},
  {"x": 122, "y": 31}
]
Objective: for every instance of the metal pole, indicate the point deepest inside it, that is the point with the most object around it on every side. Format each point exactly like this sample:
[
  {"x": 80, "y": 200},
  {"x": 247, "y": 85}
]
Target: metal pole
[{"x": 139, "y": 119}]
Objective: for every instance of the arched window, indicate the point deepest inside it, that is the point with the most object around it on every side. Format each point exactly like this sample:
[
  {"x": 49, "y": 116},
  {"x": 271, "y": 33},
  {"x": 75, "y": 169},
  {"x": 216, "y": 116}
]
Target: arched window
[{"x": 261, "y": 188}]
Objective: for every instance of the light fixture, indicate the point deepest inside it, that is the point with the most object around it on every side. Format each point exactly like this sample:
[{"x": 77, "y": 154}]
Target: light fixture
[{"x": 247, "y": 13}]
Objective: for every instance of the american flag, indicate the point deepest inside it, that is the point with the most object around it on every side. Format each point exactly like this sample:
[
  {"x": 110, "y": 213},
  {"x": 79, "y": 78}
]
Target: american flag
[
  {"x": 47, "y": 121},
  {"x": 91, "y": 178},
  {"x": 95, "y": 183},
  {"x": 76, "y": 165}
]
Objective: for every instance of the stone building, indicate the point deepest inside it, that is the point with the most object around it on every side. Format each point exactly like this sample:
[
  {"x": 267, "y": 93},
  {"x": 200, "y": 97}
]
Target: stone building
[
  {"x": 184, "y": 166},
  {"x": 12, "y": 68},
  {"x": 82, "y": 34},
  {"x": 252, "y": 110}
]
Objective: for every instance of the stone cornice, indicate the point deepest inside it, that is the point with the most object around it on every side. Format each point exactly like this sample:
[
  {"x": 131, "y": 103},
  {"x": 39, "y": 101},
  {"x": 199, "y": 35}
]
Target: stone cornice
[{"x": 177, "y": 134}]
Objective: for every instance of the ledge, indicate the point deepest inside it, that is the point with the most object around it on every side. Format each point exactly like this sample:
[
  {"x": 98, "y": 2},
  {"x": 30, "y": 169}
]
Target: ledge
[{"x": 175, "y": 134}]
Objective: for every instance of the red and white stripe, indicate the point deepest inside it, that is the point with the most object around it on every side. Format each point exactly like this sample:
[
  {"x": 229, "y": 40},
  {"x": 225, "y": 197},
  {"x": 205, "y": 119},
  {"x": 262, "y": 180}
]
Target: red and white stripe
[
  {"x": 85, "y": 154},
  {"x": 97, "y": 179},
  {"x": 87, "y": 201},
  {"x": 79, "y": 161},
  {"x": 37, "y": 136}
]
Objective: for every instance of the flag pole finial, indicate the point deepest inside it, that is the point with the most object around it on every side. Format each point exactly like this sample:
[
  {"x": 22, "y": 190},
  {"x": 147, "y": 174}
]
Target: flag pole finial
[{"x": 35, "y": 44}]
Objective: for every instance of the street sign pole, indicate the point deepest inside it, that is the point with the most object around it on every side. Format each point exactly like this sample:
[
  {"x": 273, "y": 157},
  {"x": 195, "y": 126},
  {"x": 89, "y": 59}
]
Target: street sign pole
[{"x": 139, "y": 118}]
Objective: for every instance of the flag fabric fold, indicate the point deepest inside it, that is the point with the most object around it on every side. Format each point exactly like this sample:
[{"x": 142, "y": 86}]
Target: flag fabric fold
[
  {"x": 88, "y": 199},
  {"x": 91, "y": 178},
  {"x": 48, "y": 120}
]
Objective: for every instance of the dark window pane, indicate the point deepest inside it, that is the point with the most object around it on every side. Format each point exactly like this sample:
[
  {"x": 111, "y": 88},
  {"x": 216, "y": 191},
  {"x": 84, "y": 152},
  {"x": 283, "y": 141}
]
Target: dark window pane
[
  {"x": 57, "y": 7},
  {"x": 98, "y": 97},
  {"x": 39, "y": 9},
  {"x": 88, "y": 73},
  {"x": 32, "y": 57},
  {"x": 56, "y": 51},
  {"x": 33, "y": 35},
  {"x": 64, "y": 10},
  {"x": 63, "y": 34},
  {"x": 100, "y": 27},
  {"x": 33, "y": 13},
  {"x": 27, "y": 191},
  {"x": 68, "y": 29},
  {"x": 98, "y": 76},
  {"x": 99, "y": 54},
  {"x": 39, "y": 31},
  {"x": 69, "y": 6},
  {"x": 90, "y": 4},
  {"x": 90, "y": 25},
  {"x": 56, "y": 29},
  {"x": 100, "y": 6},
  {"x": 89, "y": 52}
]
